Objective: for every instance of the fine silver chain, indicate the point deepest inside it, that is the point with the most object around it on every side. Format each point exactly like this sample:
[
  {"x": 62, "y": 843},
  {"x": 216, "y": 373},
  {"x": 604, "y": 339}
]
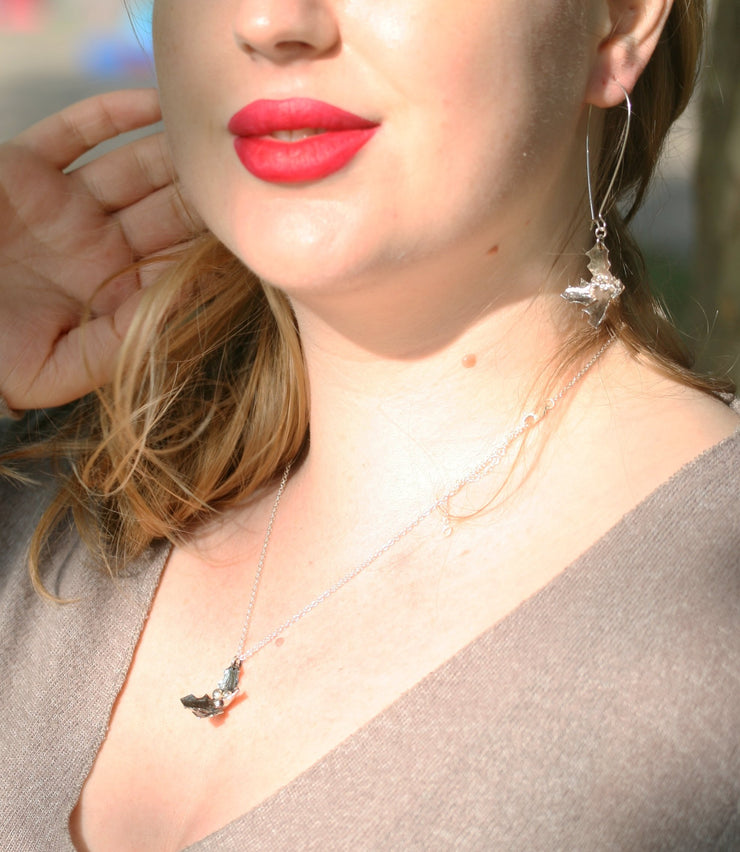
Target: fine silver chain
[{"x": 213, "y": 705}]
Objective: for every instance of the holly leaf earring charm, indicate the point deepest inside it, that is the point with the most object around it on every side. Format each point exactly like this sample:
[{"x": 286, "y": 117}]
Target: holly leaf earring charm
[{"x": 597, "y": 294}]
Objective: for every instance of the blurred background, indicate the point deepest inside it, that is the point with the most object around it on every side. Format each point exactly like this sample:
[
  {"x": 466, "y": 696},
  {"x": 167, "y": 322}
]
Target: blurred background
[{"x": 53, "y": 52}]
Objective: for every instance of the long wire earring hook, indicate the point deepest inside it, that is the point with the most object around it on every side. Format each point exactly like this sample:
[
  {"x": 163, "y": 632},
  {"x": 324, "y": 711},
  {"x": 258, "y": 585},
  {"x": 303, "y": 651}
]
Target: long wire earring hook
[
  {"x": 597, "y": 219},
  {"x": 604, "y": 288}
]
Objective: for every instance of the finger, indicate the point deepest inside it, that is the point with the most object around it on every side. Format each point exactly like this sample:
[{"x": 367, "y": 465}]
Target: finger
[
  {"x": 128, "y": 174},
  {"x": 83, "y": 360},
  {"x": 159, "y": 221},
  {"x": 154, "y": 227},
  {"x": 63, "y": 137}
]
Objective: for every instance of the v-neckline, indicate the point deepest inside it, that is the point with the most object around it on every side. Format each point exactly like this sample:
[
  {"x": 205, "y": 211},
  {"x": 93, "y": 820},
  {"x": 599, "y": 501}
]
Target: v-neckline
[
  {"x": 606, "y": 544},
  {"x": 458, "y": 659}
]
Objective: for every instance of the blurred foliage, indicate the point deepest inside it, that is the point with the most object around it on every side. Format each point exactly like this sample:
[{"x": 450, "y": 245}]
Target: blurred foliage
[{"x": 718, "y": 185}]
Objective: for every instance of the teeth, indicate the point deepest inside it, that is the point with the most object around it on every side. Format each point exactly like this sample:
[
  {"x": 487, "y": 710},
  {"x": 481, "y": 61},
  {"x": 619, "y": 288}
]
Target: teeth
[{"x": 296, "y": 135}]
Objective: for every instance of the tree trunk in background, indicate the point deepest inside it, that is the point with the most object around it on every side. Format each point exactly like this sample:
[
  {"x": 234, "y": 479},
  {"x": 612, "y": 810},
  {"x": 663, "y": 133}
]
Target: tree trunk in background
[{"x": 718, "y": 188}]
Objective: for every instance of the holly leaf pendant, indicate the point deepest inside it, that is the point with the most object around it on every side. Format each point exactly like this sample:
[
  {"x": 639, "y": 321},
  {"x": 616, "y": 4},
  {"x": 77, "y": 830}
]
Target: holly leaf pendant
[{"x": 208, "y": 706}]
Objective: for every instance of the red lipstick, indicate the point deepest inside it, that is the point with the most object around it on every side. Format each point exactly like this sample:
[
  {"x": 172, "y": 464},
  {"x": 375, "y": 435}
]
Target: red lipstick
[{"x": 296, "y": 140}]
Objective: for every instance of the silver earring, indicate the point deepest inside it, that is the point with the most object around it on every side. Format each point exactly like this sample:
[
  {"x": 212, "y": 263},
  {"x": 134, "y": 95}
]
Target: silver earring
[{"x": 604, "y": 288}]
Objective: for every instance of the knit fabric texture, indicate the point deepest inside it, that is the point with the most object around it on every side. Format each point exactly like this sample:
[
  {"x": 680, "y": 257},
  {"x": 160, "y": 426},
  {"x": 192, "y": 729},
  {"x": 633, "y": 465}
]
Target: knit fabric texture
[{"x": 603, "y": 713}]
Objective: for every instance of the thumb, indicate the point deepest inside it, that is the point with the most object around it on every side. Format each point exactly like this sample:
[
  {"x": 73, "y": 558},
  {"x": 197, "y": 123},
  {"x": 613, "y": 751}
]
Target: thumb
[{"x": 83, "y": 359}]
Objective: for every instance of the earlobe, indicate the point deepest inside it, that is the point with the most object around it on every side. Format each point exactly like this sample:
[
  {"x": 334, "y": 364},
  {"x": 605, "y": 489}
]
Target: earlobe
[{"x": 635, "y": 27}]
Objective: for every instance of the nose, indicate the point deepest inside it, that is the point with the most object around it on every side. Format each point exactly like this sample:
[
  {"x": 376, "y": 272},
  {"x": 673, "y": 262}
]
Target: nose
[{"x": 286, "y": 30}]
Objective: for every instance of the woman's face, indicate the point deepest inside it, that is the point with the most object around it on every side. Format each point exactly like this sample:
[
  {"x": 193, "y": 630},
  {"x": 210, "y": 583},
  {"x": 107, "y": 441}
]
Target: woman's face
[{"x": 461, "y": 132}]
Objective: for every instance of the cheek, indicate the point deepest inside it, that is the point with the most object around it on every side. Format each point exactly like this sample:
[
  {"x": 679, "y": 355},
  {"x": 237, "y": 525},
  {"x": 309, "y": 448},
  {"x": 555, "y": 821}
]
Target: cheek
[
  {"x": 188, "y": 46},
  {"x": 474, "y": 99},
  {"x": 507, "y": 101},
  {"x": 169, "y": 37},
  {"x": 189, "y": 42},
  {"x": 505, "y": 84}
]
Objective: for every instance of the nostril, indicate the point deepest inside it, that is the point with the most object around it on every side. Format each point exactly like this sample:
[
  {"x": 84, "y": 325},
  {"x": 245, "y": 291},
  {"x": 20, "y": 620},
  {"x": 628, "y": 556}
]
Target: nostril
[
  {"x": 301, "y": 29},
  {"x": 295, "y": 46},
  {"x": 281, "y": 49}
]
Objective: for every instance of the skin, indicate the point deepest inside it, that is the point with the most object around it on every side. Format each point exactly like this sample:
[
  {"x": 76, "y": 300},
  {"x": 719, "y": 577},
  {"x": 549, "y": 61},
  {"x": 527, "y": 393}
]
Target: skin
[
  {"x": 478, "y": 130},
  {"x": 65, "y": 231},
  {"x": 385, "y": 285},
  {"x": 391, "y": 293}
]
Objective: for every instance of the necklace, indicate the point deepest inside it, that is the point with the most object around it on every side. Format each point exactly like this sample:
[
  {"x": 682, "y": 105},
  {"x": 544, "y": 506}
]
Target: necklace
[{"x": 228, "y": 687}]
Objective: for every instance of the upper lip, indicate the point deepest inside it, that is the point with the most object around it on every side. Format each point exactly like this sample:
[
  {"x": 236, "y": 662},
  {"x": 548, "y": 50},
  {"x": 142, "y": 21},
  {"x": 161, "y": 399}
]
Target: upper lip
[{"x": 263, "y": 117}]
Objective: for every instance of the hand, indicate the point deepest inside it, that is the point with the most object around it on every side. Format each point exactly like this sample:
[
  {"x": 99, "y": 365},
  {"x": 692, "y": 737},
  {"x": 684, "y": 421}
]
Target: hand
[{"x": 63, "y": 233}]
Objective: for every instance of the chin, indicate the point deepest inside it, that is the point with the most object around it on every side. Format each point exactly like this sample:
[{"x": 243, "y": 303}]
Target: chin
[
  {"x": 300, "y": 253},
  {"x": 300, "y": 269}
]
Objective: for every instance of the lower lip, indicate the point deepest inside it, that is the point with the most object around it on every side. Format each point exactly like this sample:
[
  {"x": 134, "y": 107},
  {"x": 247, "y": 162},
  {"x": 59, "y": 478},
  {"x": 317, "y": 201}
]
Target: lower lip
[{"x": 312, "y": 158}]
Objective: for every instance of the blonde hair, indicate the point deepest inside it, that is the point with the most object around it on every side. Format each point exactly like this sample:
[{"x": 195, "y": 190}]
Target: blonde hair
[{"x": 210, "y": 400}]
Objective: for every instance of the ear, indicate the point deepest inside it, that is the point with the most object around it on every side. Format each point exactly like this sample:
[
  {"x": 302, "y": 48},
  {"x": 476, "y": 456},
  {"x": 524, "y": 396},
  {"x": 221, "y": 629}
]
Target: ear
[{"x": 634, "y": 29}]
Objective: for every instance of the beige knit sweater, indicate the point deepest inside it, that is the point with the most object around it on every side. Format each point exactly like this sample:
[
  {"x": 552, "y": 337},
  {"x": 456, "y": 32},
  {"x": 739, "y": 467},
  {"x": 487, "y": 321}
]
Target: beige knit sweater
[{"x": 602, "y": 714}]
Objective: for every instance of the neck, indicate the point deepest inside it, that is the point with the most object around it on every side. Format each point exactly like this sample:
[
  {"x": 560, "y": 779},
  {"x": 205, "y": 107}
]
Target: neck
[
  {"x": 417, "y": 371},
  {"x": 396, "y": 430}
]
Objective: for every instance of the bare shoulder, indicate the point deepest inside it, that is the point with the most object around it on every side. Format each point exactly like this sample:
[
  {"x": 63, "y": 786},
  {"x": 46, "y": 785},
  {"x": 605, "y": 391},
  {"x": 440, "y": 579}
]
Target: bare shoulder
[
  {"x": 657, "y": 419},
  {"x": 628, "y": 431}
]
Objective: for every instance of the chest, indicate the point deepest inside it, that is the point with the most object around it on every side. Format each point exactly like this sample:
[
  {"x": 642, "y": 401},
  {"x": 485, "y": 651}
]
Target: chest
[{"x": 164, "y": 779}]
